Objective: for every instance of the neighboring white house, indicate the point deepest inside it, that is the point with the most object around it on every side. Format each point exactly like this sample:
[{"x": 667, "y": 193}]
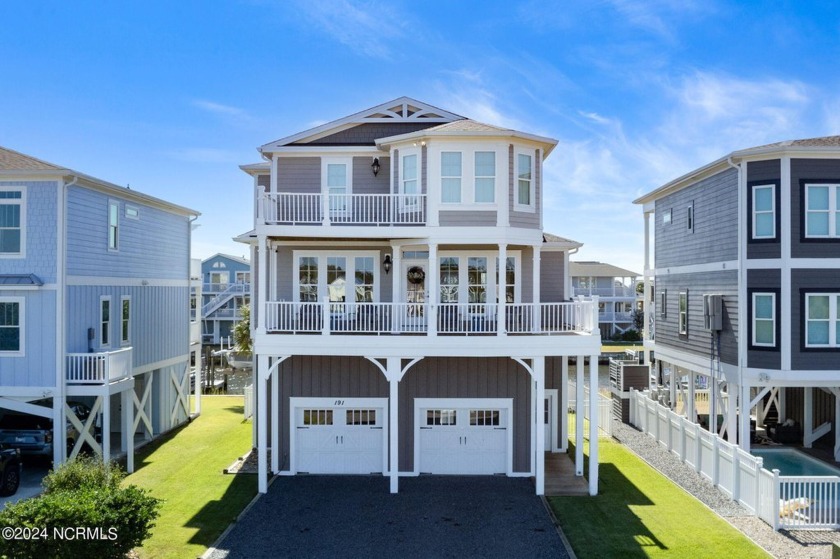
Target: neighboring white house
[
  {"x": 410, "y": 314},
  {"x": 616, "y": 289}
]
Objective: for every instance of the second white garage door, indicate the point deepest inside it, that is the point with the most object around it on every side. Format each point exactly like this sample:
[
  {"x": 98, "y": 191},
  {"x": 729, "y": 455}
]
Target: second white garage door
[{"x": 463, "y": 436}]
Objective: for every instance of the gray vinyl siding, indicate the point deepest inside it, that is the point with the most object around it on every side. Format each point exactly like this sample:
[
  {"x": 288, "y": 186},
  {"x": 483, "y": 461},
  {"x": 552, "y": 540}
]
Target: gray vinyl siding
[
  {"x": 424, "y": 170},
  {"x": 802, "y": 171},
  {"x": 313, "y": 376},
  {"x": 367, "y": 134},
  {"x": 264, "y": 181},
  {"x": 803, "y": 282},
  {"x": 460, "y": 377},
  {"x": 363, "y": 180},
  {"x": 299, "y": 175},
  {"x": 770, "y": 280},
  {"x": 715, "y": 234},
  {"x": 396, "y": 183},
  {"x": 763, "y": 172},
  {"x": 526, "y": 220},
  {"x": 698, "y": 340},
  {"x": 526, "y": 282},
  {"x": 552, "y": 276},
  {"x": 467, "y": 218}
]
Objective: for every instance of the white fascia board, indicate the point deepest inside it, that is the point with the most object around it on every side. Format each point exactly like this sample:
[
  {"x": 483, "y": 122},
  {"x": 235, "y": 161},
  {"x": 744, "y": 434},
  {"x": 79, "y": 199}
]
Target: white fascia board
[
  {"x": 685, "y": 180},
  {"x": 794, "y": 377},
  {"x": 317, "y": 151},
  {"x": 438, "y": 235},
  {"x": 255, "y": 169}
]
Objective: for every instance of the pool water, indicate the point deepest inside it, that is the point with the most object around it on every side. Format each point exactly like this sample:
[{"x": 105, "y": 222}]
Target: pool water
[{"x": 791, "y": 462}]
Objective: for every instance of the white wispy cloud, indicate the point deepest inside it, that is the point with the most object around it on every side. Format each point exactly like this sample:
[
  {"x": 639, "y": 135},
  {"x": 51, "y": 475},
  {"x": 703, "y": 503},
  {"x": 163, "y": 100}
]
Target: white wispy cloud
[{"x": 218, "y": 108}]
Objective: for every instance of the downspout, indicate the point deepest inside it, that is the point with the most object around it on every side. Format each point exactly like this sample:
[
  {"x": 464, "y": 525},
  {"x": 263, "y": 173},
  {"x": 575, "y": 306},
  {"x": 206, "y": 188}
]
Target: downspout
[{"x": 60, "y": 440}]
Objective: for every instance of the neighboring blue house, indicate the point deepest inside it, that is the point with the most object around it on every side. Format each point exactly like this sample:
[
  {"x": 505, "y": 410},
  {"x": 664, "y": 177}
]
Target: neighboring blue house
[
  {"x": 94, "y": 304},
  {"x": 226, "y": 289}
]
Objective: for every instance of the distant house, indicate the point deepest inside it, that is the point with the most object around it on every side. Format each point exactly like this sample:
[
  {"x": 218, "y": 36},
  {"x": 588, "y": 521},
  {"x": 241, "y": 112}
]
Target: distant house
[
  {"x": 94, "y": 305},
  {"x": 410, "y": 314},
  {"x": 616, "y": 289},
  {"x": 226, "y": 289},
  {"x": 747, "y": 288}
]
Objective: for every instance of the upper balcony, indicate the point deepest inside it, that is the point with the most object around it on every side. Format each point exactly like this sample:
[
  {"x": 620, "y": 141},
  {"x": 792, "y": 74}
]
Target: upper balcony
[
  {"x": 615, "y": 291},
  {"x": 343, "y": 209},
  {"x": 99, "y": 368}
]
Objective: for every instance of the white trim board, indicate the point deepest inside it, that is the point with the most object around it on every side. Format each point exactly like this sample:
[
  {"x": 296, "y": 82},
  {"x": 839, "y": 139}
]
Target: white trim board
[{"x": 126, "y": 282}]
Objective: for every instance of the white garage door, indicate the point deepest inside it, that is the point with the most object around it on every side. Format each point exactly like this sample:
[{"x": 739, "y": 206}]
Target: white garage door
[
  {"x": 339, "y": 436},
  {"x": 463, "y": 436}
]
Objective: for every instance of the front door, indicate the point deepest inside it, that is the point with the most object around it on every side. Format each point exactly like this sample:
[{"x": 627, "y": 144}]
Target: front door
[{"x": 414, "y": 294}]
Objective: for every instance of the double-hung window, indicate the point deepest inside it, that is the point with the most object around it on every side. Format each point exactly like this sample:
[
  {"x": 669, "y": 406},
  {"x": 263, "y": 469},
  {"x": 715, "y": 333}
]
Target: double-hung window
[
  {"x": 822, "y": 210},
  {"x": 336, "y": 181},
  {"x": 822, "y": 321},
  {"x": 113, "y": 225},
  {"x": 485, "y": 177},
  {"x": 105, "y": 321},
  {"x": 11, "y": 326},
  {"x": 764, "y": 319},
  {"x": 683, "y": 308},
  {"x": 450, "y": 177},
  {"x": 409, "y": 183},
  {"x": 524, "y": 182},
  {"x": 12, "y": 217},
  {"x": 764, "y": 212}
]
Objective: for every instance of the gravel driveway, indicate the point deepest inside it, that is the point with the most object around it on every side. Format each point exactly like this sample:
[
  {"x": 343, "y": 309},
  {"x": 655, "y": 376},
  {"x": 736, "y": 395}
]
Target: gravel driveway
[{"x": 432, "y": 516}]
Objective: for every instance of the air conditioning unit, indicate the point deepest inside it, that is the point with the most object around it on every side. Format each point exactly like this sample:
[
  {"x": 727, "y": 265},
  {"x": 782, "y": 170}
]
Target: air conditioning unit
[{"x": 713, "y": 312}]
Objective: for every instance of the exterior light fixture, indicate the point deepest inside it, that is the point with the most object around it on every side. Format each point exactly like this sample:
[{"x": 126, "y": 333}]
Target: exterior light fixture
[
  {"x": 375, "y": 166},
  {"x": 387, "y": 263}
]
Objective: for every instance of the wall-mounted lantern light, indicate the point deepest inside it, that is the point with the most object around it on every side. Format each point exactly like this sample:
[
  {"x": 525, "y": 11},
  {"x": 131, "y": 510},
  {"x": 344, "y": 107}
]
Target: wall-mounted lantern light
[
  {"x": 375, "y": 166},
  {"x": 387, "y": 263}
]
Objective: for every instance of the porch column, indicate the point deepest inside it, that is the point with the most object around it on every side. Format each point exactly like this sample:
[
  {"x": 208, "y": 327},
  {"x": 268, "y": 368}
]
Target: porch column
[
  {"x": 713, "y": 396},
  {"x": 127, "y": 403},
  {"x": 275, "y": 421},
  {"x": 539, "y": 381},
  {"x": 593, "y": 424},
  {"x": 675, "y": 376},
  {"x": 732, "y": 414},
  {"x": 262, "y": 284},
  {"x": 808, "y": 417},
  {"x": 59, "y": 435},
  {"x": 580, "y": 405},
  {"x": 262, "y": 424},
  {"x": 393, "y": 368},
  {"x": 106, "y": 426},
  {"x": 433, "y": 294},
  {"x": 501, "y": 293},
  {"x": 691, "y": 405},
  {"x": 744, "y": 418},
  {"x": 536, "y": 289},
  {"x": 564, "y": 404}
]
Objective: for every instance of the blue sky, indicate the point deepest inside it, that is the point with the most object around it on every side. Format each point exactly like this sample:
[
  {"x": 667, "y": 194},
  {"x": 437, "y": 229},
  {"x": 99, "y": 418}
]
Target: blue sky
[{"x": 170, "y": 97}]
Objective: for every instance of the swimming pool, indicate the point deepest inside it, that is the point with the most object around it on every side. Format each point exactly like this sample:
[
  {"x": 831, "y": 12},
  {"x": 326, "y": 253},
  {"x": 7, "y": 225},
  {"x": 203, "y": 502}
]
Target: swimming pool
[{"x": 791, "y": 462}]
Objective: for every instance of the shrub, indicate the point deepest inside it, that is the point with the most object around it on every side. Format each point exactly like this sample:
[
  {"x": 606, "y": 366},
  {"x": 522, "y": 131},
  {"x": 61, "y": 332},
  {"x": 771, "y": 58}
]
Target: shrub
[{"x": 83, "y": 513}]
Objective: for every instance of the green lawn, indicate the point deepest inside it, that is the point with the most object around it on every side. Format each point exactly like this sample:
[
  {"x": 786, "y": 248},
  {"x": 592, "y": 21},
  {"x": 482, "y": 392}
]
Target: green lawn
[
  {"x": 185, "y": 470},
  {"x": 640, "y": 513}
]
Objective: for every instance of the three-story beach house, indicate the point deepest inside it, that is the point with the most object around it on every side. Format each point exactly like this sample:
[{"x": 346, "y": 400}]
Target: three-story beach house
[
  {"x": 226, "y": 289},
  {"x": 94, "y": 306},
  {"x": 410, "y": 314},
  {"x": 747, "y": 280}
]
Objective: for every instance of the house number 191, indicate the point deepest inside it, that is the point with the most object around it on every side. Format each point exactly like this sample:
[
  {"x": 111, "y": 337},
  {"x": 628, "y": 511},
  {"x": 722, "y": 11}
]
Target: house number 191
[{"x": 339, "y": 403}]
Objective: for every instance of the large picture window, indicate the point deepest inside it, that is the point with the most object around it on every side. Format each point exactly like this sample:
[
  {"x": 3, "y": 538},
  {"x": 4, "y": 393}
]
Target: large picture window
[
  {"x": 822, "y": 210},
  {"x": 11, "y": 326},
  {"x": 822, "y": 322},
  {"x": 12, "y": 212},
  {"x": 764, "y": 212},
  {"x": 764, "y": 319}
]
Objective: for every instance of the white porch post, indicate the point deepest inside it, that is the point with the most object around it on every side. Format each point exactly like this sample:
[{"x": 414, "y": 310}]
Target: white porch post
[
  {"x": 692, "y": 402},
  {"x": 579, "y": 415},
  {"x": 262, "y": 283},
  {"x": 433, "y": 295},
  {"x": 60, "y": 435},
  {"x": 275, "y": 421},
  {"x": 732, "y": 391},
  {"x": 537, "y": 315},
  {"x": 501, "y": 294},
  {"x": 393, "y": 368},
  {"x": 744, "y": 418},
  {"x": 539, "y": 381},
  {"x": 127, "y": 403},
  {"x": 564, "y": 404},
  {"x": 106, "y": 426},
  {"x": 808, "y": 417},
  {"x": 197, "y": 379},
  {"x": 262, "y": 424},
  {"x": 593, "y": 424},
  {"x": 713, "y": 396}
]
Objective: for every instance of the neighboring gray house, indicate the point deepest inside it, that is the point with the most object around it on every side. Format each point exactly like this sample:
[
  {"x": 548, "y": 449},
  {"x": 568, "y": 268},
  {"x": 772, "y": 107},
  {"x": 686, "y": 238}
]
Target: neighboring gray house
[
  {"x": 616, "y": 289},
  {"x": 410, "y": 316},
  {"x": 747, "y": 279},
  {"x": 94, "y": 306}
]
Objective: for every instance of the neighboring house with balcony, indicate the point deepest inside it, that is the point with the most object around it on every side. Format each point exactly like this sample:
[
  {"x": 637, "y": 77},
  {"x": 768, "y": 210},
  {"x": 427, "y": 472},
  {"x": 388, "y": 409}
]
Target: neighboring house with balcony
[
  {"x": 226, "y": 289},
  {"x": 747, "y": 280},
  {"x": 410, "y": 314},
  {"x": 616, "y": 289},
  {"x": 94, "y": 304}
]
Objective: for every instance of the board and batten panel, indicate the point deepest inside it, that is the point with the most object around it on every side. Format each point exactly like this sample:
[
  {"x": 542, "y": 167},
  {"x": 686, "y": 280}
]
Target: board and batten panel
[
  {"x": 467, "y": 377},
  {"x": 37, "y": 366},
  {"x": 715, "y": 234},
  {"x": 698, "y": 340},
  {"x": 159, "y": 320},
  {"x": 299, "y": 175},
  {"x": 41, "y": 231},
  {"x": 313, "y": 376},
  {"x": 153, "y": 246}
]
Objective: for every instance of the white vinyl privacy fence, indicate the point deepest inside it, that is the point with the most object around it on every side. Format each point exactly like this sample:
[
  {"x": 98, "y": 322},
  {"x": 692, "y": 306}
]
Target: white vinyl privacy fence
[
  {"x": 604, "y": 408},
  {"x": 784, "y": 502}
]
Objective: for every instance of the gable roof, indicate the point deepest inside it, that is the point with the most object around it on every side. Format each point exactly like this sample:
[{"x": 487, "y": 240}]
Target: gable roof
[
  {"x": 15, "y": 163},
  {"x": 229, "y": 257},
  {"x": 556, "y": 242},
  {"x": 402, "y": 109},
  {"x": 598, "y": 270}
]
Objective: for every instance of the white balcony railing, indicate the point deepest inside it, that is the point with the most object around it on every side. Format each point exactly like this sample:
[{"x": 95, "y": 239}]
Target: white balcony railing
[
  {"x": 422, "y": 318},
  {"x": 617, "y": 291},
  {"x": 344, "y": 209},
  {"x": 99, "y": 368}
]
